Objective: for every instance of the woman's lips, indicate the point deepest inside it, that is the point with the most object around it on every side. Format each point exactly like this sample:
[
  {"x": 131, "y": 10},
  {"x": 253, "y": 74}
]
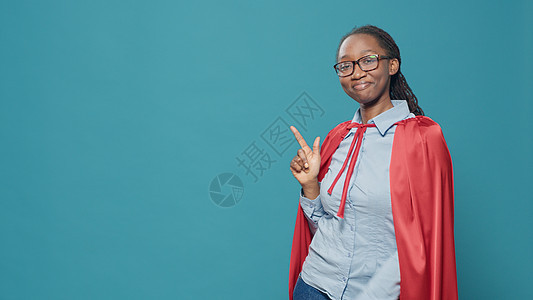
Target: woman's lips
[{"x": 361, "y": 86}]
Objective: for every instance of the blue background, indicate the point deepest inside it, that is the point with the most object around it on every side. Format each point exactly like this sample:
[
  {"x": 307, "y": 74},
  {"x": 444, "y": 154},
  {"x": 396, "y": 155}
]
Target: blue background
[{"x": 116, "y": 115}]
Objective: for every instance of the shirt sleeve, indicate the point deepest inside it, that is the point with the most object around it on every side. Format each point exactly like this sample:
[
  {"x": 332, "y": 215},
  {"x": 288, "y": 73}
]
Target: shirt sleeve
[
  {"x": 385, "y": 284},
  {"x": 313, "y": 210}
]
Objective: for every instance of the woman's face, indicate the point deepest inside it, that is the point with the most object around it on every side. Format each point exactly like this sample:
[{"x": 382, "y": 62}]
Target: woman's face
[{"x": 369, "y": 87}]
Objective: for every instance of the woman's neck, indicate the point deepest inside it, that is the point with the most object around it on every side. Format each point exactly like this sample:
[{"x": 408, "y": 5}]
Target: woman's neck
[{"x": 371, "y": 110}]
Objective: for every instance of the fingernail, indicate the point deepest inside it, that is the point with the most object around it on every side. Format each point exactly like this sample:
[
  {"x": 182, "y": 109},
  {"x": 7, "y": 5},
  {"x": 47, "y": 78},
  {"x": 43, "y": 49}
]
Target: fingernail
[{"x": 306, "y": 165}]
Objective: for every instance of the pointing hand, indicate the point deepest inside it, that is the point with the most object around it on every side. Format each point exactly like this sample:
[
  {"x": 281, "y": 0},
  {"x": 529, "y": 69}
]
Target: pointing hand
[{"x": 306, "y": 164}]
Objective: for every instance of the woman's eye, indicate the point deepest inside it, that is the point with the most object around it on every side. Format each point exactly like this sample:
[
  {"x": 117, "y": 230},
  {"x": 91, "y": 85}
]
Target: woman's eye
[
  {"x": 369, "y": 60},
  {"x": 344, "y": 67}
]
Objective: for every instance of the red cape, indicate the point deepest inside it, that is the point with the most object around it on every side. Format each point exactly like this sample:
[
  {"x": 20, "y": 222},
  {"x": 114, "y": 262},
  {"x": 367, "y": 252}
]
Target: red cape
[{"x": 421, "y": 181}]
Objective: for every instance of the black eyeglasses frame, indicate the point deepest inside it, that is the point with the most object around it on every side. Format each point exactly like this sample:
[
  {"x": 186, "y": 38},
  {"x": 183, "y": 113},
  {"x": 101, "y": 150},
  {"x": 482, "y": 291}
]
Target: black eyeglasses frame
[{"x": 379, "y": 57}]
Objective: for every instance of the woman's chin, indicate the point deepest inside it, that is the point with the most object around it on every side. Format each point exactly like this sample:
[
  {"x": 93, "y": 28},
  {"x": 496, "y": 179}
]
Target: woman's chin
[{"x": 364, "y": 100}]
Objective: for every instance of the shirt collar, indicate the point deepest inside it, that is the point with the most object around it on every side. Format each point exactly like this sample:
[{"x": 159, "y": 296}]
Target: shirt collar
[{"x": 386, "y": 119}]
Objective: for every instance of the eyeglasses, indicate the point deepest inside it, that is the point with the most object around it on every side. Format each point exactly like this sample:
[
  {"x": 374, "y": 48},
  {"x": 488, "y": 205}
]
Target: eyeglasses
[{"x": 366, "y": 63}]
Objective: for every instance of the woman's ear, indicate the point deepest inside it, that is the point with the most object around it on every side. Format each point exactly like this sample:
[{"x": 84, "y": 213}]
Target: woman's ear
[{"x": 394, "y": 66}]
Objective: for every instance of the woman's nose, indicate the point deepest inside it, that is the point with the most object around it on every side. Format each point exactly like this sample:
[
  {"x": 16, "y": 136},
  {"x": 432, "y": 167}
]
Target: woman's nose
[{"x": 357, "y": 72}]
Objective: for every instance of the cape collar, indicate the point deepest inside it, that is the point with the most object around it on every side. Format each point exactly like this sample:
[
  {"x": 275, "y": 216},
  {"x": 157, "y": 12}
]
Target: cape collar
[{"x": 386, "y": 119}]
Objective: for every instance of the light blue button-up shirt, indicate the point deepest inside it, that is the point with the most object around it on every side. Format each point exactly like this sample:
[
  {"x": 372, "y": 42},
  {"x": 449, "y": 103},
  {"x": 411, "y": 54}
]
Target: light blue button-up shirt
[{"x": 356, "y": 257}]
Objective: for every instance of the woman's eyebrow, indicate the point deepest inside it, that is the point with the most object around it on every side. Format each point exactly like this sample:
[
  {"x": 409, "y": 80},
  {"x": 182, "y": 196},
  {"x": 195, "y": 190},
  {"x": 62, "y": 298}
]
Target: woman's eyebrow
[{"x": 364, "y": 51}]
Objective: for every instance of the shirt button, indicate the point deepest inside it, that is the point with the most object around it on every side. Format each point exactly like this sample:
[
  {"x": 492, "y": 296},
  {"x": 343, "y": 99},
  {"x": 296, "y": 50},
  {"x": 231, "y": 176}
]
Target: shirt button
[
  {"x": 349, "y": 255},
  {"x": 344, "y": 279}
]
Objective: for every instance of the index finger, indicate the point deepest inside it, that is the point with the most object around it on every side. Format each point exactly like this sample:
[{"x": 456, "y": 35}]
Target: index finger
[{"x": 299, "y": 137}]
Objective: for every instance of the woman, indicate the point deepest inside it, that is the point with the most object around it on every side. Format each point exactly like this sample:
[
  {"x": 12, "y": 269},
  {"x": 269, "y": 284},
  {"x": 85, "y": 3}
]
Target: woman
[{"x": 377, "y": 197}]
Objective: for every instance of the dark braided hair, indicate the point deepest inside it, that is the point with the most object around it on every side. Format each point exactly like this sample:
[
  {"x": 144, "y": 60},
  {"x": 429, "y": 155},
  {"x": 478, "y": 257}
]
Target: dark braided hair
[{"x": 399, "y": 89}]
